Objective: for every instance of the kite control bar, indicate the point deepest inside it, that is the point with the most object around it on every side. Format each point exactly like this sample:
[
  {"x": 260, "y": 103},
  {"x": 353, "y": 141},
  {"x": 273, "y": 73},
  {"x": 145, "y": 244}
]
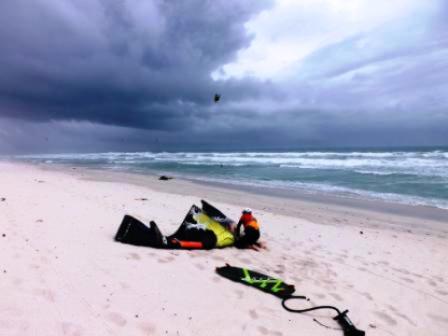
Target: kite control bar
[{"x": 346, "y": 324}]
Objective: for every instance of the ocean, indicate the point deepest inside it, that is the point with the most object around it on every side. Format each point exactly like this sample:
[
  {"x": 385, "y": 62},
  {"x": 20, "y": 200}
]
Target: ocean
[{"x": 406, "y": 176}]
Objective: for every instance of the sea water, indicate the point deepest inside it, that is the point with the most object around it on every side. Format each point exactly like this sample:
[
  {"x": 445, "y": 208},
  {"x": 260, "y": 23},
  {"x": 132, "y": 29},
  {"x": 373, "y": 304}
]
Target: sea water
[{"x": 409, "y": 176}]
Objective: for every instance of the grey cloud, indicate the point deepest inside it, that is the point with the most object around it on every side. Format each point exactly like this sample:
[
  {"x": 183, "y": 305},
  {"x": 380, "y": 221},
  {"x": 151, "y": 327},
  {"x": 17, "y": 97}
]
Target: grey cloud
[
  {"x": 128, "y": 63},
  {"x": 135, "y": 75},
  {"x": 400, "y": 69}
]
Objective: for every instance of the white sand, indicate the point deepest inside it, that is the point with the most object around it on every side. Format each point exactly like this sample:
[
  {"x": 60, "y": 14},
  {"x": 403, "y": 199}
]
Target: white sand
[{"x": 61, "y": 273}]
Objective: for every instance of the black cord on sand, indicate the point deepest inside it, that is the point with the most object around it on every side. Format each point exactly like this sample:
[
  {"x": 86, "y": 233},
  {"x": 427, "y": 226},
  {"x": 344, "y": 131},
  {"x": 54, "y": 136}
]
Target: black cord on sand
[
  {"x": 306, "y": 309},
  {"x": 301, "y": 297}
]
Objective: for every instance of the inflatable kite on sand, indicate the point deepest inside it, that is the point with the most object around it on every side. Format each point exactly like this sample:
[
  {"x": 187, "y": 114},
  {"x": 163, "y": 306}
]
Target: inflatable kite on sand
[{"x": 204, "y": 228}]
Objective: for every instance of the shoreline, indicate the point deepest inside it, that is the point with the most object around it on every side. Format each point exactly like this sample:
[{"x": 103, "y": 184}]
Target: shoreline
[
  {"x": 408, "y": 177},
  {"x": 285, "y": 202}
]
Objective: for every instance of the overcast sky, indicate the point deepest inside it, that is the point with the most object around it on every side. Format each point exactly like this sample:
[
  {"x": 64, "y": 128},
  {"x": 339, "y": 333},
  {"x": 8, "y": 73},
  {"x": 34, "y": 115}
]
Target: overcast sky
[{"x": 133, "y": 75}]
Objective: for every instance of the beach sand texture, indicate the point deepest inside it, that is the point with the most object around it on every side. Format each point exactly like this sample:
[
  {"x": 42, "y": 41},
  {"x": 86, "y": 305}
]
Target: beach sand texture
[{"x": 61, "y": 273}]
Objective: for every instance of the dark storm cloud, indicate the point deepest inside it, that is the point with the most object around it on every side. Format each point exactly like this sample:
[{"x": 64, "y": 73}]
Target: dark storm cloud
[
  {"x": 142, "y": 64},
  {"x": 96, "y": 75}
]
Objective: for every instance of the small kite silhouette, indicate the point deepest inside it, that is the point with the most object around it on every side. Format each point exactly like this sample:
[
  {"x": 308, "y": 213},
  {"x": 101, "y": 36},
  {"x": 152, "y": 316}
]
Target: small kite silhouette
[{"x": 217, "y": 97}]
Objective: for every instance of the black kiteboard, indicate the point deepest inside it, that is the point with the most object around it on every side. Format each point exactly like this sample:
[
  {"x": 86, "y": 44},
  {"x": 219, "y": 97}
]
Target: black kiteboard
[
  {"x": 258, "y": 280},
  {"x": 285, "y": 292}
]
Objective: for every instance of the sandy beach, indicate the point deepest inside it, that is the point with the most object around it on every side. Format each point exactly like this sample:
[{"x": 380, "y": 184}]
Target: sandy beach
[{"x": 61, "y": 273}]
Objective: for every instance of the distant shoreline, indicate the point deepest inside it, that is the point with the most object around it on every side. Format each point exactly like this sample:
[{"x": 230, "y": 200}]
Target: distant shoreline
[
  {"x": 285, "y": 202},
  {"x": 411, "y": 177}
]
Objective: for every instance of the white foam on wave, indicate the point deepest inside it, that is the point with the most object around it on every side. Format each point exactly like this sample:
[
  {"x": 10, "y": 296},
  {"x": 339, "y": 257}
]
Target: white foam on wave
[
  {"x": 431, "y": 166},
  {"x": 433, "y": 163},
  {"x": 248, "y": 155},
  {"x": 372, "y": 172}
]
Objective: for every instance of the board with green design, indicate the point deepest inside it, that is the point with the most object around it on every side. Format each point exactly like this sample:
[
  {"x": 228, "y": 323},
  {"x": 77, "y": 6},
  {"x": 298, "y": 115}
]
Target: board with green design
[{"x": 258, "y": 280}]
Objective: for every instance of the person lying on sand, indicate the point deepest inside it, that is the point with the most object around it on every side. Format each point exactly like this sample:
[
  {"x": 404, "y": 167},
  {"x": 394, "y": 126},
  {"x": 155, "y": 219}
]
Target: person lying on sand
[{"x": 251, "y": 230}]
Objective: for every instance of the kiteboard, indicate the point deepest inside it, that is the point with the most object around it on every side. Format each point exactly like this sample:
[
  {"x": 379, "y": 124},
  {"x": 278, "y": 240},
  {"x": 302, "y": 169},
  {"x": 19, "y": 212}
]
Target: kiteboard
[
  {"x": 285, "y": 292},
  {"x": 258, "y": 280}
]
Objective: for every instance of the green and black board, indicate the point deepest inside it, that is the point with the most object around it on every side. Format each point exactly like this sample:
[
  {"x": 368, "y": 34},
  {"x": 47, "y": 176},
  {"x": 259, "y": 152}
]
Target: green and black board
[
  {"x": 261, "y": 281},
  {"x": 284, "y": 291}
]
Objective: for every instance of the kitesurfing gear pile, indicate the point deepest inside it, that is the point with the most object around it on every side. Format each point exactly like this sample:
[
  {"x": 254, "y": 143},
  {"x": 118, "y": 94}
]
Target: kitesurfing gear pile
[
  {"x": 285, "y": 292},
  {"x": 204, "y": 228},
  {"x": 207, "y": 228}
]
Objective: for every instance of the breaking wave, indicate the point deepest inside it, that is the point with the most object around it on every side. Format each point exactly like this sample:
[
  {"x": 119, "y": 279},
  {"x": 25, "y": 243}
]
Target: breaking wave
[{"x": 412, "y": 177}]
